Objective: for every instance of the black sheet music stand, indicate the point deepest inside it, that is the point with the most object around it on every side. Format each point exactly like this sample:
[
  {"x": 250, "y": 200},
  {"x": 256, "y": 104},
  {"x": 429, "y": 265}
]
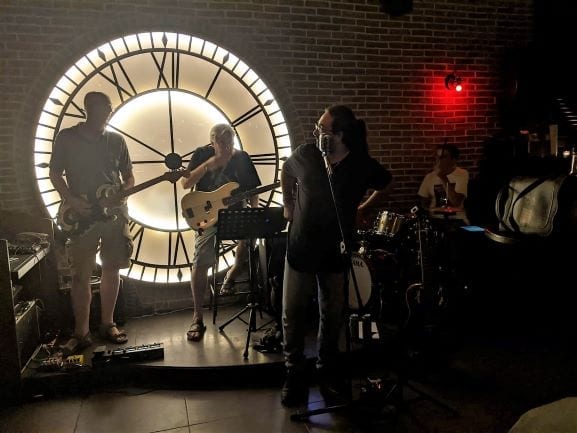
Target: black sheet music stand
[{"x": 249, "y": 223}]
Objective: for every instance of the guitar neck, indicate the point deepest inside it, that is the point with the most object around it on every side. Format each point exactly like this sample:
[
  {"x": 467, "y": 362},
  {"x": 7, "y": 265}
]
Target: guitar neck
[
  {"x": 247, "y": 194},
  {"x": 140, "y": 187}
]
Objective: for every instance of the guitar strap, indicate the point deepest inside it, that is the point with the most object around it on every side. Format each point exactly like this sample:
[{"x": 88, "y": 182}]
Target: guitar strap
[
  {"x": 216, "y": 183},
  {"x": 215, "y": 178},
  {"x": 220, "y": 175},
  {"x": 111, "y": 156}
]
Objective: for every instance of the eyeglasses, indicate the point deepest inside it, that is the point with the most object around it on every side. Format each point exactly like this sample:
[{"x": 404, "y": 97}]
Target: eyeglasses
[{"x": 320, "y": 129}]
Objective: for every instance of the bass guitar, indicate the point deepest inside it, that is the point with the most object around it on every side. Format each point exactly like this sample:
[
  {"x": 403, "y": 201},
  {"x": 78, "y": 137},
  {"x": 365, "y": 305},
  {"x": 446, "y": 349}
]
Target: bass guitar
[
  {"x": 104, "y": 205},
  {"x": 200, "y": 208}
]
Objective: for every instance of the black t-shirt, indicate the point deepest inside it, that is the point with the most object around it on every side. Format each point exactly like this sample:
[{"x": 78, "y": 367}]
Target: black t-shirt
[
  {"x": 239, "y": 169},
  {"x": 314, "y": 235}
]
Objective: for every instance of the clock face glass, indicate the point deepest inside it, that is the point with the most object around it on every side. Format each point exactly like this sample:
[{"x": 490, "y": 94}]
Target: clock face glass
[{"x": 167, "y": 90}]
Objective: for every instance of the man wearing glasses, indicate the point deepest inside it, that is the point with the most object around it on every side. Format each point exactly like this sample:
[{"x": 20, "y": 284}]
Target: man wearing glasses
[
  {"x": 446, "y": 185},
  {"x": 323, "y": 188}
]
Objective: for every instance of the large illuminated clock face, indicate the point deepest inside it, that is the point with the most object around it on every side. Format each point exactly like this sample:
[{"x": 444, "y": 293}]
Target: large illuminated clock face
[{"x": 168, "y": 90}]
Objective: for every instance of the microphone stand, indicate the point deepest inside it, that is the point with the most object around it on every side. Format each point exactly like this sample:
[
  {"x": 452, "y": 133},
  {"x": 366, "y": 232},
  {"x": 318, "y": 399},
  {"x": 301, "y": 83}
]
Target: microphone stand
[{"x": 302, "y": 416}]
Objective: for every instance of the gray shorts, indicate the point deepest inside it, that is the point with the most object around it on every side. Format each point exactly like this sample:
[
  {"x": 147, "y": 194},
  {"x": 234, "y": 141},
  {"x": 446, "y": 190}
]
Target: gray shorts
[
  {"x": 204, "y": 248},
  {"x": 115, "y": 246}
]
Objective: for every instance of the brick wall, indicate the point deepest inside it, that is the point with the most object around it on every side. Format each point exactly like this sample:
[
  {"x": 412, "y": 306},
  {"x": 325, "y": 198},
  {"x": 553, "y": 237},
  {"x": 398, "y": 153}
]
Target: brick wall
[{"x": 311, "y": 53}]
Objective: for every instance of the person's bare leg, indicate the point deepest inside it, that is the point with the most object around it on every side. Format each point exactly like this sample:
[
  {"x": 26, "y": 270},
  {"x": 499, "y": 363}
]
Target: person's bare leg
[
  {"x": 109, "y": 286},
  {"x": 81, "y": 297},
  {"x": 198, "y": 288},
  {"x": 240, "y": 259}
]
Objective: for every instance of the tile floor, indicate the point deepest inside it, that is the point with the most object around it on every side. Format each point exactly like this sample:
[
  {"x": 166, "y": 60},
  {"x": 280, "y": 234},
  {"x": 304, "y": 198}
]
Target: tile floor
[
  {"x": 132, "y": 410},
  {"x": 490, "y": 381}
]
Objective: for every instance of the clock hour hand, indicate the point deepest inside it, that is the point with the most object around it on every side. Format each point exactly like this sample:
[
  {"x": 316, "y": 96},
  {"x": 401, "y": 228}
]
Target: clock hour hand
[{"x": 142, "y": 143}]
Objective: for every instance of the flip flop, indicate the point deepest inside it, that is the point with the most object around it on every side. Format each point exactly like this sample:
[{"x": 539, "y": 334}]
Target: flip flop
[
  {"x": 76, "y": 344},
  {"x": 196, "y": 331},
  {"x": 116, "y": 338}
]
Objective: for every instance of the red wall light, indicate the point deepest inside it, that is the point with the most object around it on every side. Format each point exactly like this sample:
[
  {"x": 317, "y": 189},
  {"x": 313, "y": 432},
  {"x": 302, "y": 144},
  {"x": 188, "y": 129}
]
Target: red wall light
[{"x": 453, "y": 82}]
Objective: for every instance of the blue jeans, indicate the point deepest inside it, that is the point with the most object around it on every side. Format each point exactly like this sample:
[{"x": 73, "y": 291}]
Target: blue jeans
[{"x": 298, "y": 289}]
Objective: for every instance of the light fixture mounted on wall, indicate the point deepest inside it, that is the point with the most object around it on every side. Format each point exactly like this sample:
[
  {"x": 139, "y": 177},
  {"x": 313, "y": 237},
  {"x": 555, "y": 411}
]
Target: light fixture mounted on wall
[{"x": 453, "y": 82}]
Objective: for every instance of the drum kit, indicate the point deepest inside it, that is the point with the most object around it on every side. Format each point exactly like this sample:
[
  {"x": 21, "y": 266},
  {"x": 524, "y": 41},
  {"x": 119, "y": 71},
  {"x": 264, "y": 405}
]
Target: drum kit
[{"x": 399, "y": 253}]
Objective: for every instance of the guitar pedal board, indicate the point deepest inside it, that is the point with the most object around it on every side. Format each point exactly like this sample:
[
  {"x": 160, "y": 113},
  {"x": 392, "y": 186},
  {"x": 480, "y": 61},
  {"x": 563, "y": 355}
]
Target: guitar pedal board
[
  {"x": 50, "y": 364},
  {"x": 57, "y": 363},
  {"x": 145, "y": 352}
]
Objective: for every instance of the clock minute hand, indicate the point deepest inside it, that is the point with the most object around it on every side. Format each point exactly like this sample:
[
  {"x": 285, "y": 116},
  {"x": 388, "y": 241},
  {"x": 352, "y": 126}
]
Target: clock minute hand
[{"x": 170, "y": 121}]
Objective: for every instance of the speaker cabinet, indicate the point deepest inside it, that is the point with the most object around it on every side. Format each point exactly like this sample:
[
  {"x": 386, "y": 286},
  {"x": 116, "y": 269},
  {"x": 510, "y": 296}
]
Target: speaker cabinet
[{"x": 27, "y": 331}]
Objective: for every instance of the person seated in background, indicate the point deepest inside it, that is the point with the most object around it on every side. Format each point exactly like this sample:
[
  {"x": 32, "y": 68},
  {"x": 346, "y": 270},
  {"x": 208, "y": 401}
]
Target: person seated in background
[
  {"x": 442, "y": 193},
  {"x": 445, "y": 186}
]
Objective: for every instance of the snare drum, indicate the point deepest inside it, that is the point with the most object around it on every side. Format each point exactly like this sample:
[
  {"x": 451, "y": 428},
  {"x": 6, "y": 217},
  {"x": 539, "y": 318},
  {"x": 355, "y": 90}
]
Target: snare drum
[{"x": 389, "y": 223}]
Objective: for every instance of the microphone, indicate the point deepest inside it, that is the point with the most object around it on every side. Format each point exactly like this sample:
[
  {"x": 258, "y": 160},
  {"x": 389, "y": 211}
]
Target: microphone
[{"x": 324, "y": 145}]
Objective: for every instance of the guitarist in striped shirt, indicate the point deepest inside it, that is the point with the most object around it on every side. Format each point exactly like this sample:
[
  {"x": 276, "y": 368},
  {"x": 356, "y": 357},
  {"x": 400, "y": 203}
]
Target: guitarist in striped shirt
[{"x": 210, "y": 167}]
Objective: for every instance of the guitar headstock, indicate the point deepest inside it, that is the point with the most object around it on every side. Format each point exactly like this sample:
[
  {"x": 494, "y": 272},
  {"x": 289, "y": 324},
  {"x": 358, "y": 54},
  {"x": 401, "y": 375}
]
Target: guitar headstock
[{"x": 174, "y": 175}]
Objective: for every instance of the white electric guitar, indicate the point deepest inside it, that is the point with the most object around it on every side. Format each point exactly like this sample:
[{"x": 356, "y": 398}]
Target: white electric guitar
[
  {"x": 104, "y": 204},
  {"x": 200, "y": 209}
]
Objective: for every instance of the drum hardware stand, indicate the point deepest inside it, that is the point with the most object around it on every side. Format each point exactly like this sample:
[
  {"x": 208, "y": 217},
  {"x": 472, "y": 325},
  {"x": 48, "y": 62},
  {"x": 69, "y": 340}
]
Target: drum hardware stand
[
  {"x": 248, "y": 223},
  {"x": 419, "y": 285},
  {"x": 401, "y": 373}
]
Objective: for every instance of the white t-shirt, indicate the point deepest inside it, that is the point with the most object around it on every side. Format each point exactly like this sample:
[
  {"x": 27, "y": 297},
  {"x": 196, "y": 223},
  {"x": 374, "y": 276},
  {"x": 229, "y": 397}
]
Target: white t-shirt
[{"x": 432, "y": 187}]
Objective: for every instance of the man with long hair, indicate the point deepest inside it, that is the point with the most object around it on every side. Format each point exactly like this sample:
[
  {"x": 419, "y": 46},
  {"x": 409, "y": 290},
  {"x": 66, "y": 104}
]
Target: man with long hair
[{"x": 319, "y": 226}]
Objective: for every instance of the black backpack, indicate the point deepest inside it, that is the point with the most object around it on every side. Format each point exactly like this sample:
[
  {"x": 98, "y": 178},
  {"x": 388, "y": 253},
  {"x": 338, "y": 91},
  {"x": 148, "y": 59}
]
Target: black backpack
[{"x": 538, "y": 206}]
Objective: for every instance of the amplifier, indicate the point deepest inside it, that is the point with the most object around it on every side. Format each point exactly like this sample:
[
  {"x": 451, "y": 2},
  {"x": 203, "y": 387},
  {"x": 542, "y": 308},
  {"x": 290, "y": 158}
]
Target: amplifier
[{"x": 27, "y": 331}]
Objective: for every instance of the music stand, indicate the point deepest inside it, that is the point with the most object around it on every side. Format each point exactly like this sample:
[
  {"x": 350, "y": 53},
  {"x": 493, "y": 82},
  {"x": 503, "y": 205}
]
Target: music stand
[{"x": 250, "y": 224}]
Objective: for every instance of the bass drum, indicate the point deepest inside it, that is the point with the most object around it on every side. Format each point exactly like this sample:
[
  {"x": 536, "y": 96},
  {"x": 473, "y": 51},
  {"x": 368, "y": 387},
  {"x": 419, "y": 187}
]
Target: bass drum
[{"x": 372, "y": 271}]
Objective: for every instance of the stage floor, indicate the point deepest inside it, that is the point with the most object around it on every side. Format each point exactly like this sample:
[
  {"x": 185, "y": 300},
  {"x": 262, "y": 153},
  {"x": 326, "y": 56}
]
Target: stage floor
[
  {"x": 216, "y": 358},
  {"x": 216, "y": 349}
]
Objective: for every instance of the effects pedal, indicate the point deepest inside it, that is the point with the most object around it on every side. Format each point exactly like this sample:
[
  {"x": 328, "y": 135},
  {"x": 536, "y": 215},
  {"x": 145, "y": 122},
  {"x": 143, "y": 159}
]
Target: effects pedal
[
  {"x": 50, "y": 364},
  {"x": 145, "y": 352},
  {"x": 74, "y": 360}
]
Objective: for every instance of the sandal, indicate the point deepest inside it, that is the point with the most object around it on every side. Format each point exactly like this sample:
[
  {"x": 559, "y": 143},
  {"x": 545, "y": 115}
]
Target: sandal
[
  {"x": 227, "y": 289},
  {"x": 196, "y": 331},
  {"x": 76, "y": 344},
  {"x": 106, "y": 332}
]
